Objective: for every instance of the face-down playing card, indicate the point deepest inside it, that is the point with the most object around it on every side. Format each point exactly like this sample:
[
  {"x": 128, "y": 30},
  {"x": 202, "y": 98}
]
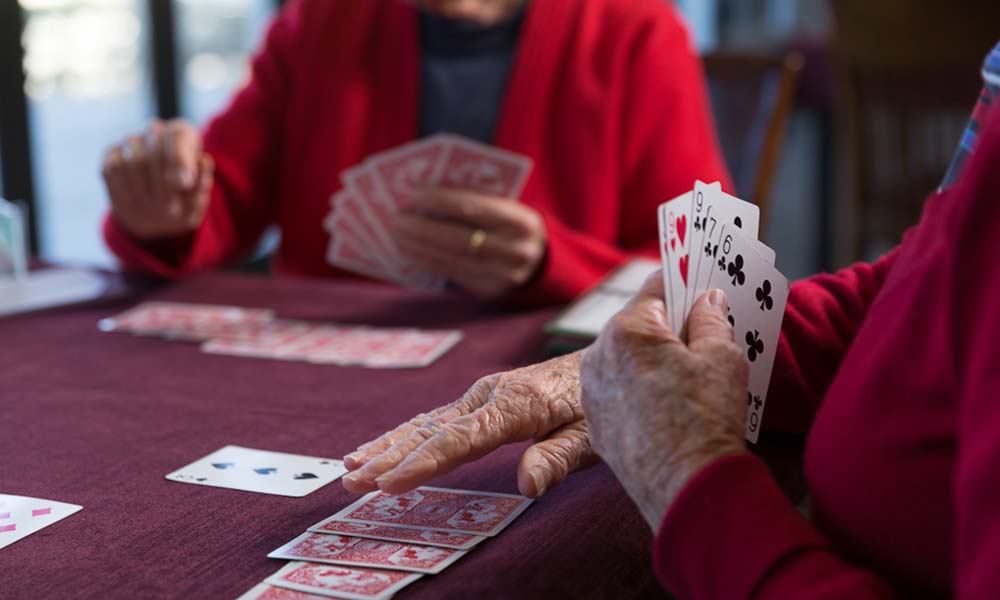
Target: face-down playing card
[
  {"x": 364, "y": 552},
  {"x": 456, "y": 511},
  {"x": 428, "y": 537},
  {"x": 261, "y": 471},
  {"x": 335, "y": 581},
  {"x": 21, "y": 516},
  {"x": 757, "y": 294}
]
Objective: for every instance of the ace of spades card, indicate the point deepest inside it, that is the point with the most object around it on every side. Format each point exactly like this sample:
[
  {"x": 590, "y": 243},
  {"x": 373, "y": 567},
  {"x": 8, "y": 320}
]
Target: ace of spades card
[
  {"x": 261, "y": 471},
  {"x": 757, "y": 294}
]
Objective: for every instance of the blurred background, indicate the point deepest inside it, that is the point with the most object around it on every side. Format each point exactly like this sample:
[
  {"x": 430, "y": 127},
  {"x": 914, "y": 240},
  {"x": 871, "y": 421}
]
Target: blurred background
[{"x": 837, "y": 116}]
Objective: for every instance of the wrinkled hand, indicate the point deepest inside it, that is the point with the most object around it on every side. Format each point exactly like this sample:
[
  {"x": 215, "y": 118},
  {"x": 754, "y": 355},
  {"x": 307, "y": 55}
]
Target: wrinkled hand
[
  {"x": 660, "y": 411},
  {"x": 436, "y": 233},
  {"x": 539, "y": 402},
  {"x": 159, "y": 182}
]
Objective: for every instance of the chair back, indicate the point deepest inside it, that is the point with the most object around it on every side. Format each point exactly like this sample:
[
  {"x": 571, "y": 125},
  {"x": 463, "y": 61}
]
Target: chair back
[{"x": 752, "y": 97}]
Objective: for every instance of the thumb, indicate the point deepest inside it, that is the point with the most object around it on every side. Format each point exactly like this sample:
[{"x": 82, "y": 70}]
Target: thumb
[
  {"x": 183, "y": 155},
  {"x": 708, "y": 321},
  {"x": 551, "y": 460}
]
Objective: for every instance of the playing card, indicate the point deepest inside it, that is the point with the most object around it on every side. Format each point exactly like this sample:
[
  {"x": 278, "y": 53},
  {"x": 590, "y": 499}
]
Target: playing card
[
  {"x": 333, "y": 581},
  {"x": 402, "y": 173},
  {"x": 261, "y": 471},
  {"x": 388, "y": 348},
  {"x": 183, "y": 321},
  {"x": 674, "y": 218},
  {"x": 715, "y": 209},
  {"x": 351, "y": 215},
  {"x": 263, "y": 591},
  {"x": 21, "y": 516},
  {"x": 757, "y": 295},
  {"x": 444, "y": 539},
  {"x": 363, "y": 552},
  {"x": 455, "y": 511},
  {"x": 470, "y": 165},
  {"x": 13, "y": 261}
]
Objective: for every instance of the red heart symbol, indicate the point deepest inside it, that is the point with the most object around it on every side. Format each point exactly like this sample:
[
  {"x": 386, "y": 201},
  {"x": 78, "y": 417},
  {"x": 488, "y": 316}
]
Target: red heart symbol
[
  {"x": 681, "y": 225},
  {"x": 684, "y": 268},
  {"x": 672, "y": 243}
]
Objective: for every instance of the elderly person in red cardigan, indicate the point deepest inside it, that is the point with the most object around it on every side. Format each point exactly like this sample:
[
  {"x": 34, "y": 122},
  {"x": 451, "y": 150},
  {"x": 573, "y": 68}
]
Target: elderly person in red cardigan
[
  {"x": 606, "y": 96},
  {"x": 892, "y": 367}
]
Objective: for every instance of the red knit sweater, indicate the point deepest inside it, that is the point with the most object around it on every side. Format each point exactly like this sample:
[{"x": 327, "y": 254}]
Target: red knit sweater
[
  {"x": 903, "y": 458},
  {"x": 606, "y": 96}
]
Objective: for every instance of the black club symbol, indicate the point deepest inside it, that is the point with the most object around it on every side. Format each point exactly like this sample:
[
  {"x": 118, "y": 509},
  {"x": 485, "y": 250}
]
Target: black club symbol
[
  {"x": 735, "y": 270},
  {"x": 755, "y": 400},
  {"x": 722, "y": 264},
  {"x": 763, "y": 294},
  {"x": 697, "y": 224},
  {"x": 729, "y": 315},
  {"x": 755, "y": 345},
  {"x": 708, "y": 249}
]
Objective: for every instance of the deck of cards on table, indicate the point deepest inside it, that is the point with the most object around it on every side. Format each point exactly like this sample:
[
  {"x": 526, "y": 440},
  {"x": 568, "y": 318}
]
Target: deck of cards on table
[
  {"x": 360, "y": 222},
  {"x": 256, "y": 333},
  {"x": 21, "y": 516},
  {"x": 708, "y": 240},
  {"x": 382, "y": 543}
]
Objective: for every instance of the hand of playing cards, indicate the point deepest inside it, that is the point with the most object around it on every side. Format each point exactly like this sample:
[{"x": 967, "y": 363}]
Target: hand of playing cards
[
  {"x": 381, "y": 543},
  {"x": 236, "y": 331},
  {"x": 708, "y": 240},
  {"x": 361, "y": 221}
]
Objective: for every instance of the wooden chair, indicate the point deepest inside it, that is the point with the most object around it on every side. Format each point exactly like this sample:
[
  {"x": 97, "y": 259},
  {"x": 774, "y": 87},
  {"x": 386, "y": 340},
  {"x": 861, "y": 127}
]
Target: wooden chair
[
  {"x": 909, "y": 77},
  {"x": 752, "y": 97}
]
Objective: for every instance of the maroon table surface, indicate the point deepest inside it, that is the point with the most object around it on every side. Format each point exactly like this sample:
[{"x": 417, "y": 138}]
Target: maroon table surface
[{"x": 98, "y": 419}]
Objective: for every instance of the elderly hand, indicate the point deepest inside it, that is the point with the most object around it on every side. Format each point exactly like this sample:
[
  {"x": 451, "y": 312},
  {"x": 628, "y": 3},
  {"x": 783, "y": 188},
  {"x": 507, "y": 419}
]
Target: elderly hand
[
  {"x": 159, "y": 182},
  {"x": 539, "y": 402},
  {"x": 488, "y": 245},
  {"x": 660, "y": 411}
]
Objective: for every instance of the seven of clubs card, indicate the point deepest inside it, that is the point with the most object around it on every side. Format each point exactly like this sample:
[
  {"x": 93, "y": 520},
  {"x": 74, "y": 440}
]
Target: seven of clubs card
[
  {"x": 757, "y": 294},
  {"x": 261, "y": 471}
]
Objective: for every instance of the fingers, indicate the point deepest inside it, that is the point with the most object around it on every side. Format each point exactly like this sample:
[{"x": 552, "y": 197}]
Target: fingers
[
  {"x": 182, "y": 155},
  {"x": 646, "y": 312},
  {"x": 551, "y": 460},
  {"x": 154, "y": 165},
  {"x": 197, "y": 203},
  {"x": 430, "y": 452},
  {"x": 476, "y": 396},
  {"x": 708, "y": 319},
  {"x": 477, "y": 210}
]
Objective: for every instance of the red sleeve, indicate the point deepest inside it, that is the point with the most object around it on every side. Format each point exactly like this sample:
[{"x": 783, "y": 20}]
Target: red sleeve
[
  {"x": 732, "y": 534},
  {"x": 243, "y": 141},
  {"x": 822, "y": 316},
  {"x": 975, "y": 331},
  {"x": 667, "y": 141}
]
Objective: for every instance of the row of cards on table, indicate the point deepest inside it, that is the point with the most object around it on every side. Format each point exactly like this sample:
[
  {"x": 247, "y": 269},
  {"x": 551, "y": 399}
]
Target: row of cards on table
[
  {"x": 362, "y": 214},
  {"x": 257, "y": 333},
  {"x": 708, "y": 240},
  {"x": 369, "y": 550}
]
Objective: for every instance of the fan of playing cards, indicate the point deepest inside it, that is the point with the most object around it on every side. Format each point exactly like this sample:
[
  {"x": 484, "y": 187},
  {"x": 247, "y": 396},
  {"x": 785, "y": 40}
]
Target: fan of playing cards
[
  {"x": 708, "y": 240},
  {"x": 361, "y": 220}
]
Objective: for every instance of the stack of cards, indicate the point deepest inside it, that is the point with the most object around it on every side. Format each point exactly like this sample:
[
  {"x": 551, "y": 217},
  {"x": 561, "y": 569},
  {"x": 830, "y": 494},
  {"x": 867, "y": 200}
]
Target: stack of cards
[
  {"x": 21, "y": 516},
  {"x": 13, "y": 259},
  {"x": 236, "y": 331},
  {"x": 708, "y": 240},
  {"x": 361, "y": 221},
  {"x": 382, "y": 543}
]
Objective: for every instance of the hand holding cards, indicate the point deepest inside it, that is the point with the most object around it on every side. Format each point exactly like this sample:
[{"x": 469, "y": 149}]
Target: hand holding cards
[
  {"x": 362, "y": 220},
  {"x": 708, "y": 240}
]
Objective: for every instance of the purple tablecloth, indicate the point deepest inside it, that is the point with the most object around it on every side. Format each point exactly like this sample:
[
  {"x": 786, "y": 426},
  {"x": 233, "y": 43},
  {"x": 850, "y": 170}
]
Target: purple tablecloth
[{"x": 98, "y": 419}]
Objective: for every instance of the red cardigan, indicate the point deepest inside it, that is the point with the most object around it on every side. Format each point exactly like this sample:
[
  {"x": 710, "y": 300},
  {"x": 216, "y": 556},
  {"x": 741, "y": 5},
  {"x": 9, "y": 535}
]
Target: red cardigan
[
  {"x": 607, "y": 96},
  {"x": 903, "y": 458}
]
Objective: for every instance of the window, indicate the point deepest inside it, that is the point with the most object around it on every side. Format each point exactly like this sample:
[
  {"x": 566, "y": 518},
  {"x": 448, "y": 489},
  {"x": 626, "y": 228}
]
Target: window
[
  {"x": 87, "y": 69},
  {"x": 214, "y": 44}
]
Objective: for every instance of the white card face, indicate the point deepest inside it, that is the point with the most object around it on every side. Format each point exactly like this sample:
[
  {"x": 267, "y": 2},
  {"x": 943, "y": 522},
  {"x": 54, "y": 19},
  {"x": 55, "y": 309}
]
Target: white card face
[
  {"x": 21, "y": 516},
  {"x": 261, "y": 471},
  {"x": 675, "y": 242},
  {"x": 757, "y": 295},
  {"x": 718, "y": 209}
]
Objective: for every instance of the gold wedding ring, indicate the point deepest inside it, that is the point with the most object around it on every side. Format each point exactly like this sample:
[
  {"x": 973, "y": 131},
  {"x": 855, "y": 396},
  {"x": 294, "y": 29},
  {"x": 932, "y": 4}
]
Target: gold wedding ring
[{"x": 476, "y": 241}]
